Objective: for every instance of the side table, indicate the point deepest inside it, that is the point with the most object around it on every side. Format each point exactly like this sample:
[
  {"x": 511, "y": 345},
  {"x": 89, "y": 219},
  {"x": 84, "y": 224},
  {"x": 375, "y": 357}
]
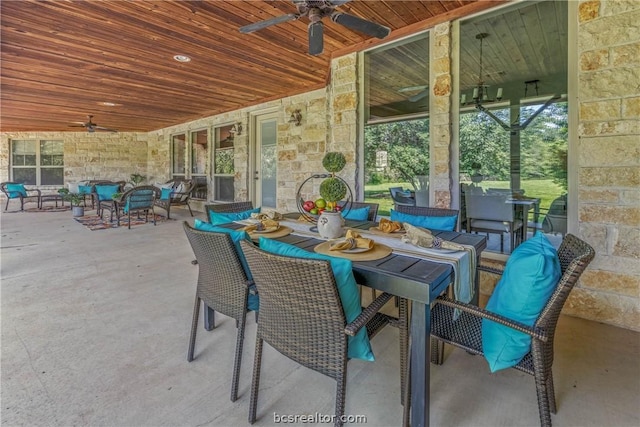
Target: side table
[{"x": 51, "y": 197}]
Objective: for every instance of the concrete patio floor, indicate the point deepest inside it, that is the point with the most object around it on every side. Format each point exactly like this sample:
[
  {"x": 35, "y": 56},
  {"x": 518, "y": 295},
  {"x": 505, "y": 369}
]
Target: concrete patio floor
[{"x": 95, "y": 329}]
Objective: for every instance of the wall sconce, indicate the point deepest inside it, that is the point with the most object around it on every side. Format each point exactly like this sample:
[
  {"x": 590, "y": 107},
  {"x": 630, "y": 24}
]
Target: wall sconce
[
  {"x": 236, "y": 129},
  {"x": 296, "y": 117}
]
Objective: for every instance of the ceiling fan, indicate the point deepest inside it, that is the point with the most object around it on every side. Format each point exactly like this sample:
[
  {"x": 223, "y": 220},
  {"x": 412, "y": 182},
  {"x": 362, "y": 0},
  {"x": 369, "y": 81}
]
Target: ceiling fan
[
  {"x": 315, "y": 10},
  {"x": 90, "y": 126}
]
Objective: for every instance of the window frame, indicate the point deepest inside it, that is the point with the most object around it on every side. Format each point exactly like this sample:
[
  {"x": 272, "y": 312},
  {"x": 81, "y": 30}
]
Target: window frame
[{"x": 38, "y": 166}]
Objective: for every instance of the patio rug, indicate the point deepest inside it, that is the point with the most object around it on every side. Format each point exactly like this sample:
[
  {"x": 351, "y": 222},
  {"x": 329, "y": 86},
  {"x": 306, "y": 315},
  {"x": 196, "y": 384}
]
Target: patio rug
[
  {"x": 94, "y": 222},
  {"x": 49, "y": 208}
]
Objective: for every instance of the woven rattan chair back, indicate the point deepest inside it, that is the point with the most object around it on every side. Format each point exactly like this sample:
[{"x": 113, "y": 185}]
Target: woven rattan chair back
[
  {"x": 373, "y": 209},
  {"x": 222, "y": 286},
  {"x": 301, "y": 316},
  {"x": 227, "y": 208},
  {"x": 140, "y": 199},
  {"x": 429, "y": 211},
  {"x": 466, "y": 332}
]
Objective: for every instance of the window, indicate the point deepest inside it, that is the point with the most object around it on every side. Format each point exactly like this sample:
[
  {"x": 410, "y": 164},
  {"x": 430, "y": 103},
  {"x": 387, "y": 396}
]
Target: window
[
  {"x": 396, "y": 135},
  {"x": 37, "y": 162},
  {"x": 178, "y": 147},
  {"x": 516, "y": 140},
  {"x": 223, "y": 167},
  {"x": 199, "y": 152}
]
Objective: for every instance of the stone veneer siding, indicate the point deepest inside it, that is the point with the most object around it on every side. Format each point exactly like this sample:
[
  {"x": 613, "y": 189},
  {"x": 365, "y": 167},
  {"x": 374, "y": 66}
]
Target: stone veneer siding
[{"x": 607, "y": 154}]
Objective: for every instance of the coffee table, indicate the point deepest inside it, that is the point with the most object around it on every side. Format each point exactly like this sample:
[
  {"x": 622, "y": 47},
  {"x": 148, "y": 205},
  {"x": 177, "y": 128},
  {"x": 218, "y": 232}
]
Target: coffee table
[{"x": 49, "y": 198}]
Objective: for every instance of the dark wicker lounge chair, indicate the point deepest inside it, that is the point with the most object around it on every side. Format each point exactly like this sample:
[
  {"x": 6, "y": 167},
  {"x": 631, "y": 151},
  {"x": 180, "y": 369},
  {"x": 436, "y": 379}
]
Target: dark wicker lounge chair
[
  {"x": 222, "y": 286},
  {"x": 136, "y": 200},
  {"x": 35, "y": 197},
  {"x": 302, "y": 317},
  {"x": 466, "y": 331},
  {"x": 177, "y": 198}
]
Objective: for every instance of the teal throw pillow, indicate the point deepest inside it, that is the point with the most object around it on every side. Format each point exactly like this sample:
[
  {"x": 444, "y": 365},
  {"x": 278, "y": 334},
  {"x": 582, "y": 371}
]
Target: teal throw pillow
[
  {"x": 530, "y": 277},
  {"x": 360, "y": 214},
  {"x": 106, "y": 191},
  {"x": 166, "y": 193},
  {"x": 217, "y": 218},
  {"x": 442, "y": 223},
  {"x": 359, "y": 346},
  {"x": 84, "y": 189},
  {"x": 254, "y": 301},
  {"x": 16, "y": 190}
]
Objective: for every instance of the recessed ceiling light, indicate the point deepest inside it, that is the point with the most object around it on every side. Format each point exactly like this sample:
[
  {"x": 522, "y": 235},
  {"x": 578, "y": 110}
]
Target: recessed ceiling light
[
  {"x": 181, "y": 58},
  {"x": 108, "y": 104}
]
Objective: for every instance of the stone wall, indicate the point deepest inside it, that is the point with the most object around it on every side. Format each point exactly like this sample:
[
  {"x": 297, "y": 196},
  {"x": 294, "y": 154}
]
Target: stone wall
[
  {"x": 111, "y": 156},
  {"x": 609, "y": 161}
]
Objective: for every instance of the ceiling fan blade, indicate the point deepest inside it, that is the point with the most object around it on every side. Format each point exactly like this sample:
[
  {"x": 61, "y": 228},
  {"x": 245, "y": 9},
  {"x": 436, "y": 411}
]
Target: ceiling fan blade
[
  {"x": 316, "y": 44},
  {"x": 338, "y": 2},
  {"x": 418, "y": 96},
  {"x": 77, "y": 125},
  {"x": 102, "y": 129},
  {"x": 361, "y": 25},
  {"x": 268, "y": 22}
]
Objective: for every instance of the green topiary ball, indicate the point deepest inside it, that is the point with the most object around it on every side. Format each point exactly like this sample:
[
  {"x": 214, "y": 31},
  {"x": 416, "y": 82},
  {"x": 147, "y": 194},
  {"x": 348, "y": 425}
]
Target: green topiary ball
[
  {"x": 334, "y": 161},
  {"x": 333, "y": 189}
]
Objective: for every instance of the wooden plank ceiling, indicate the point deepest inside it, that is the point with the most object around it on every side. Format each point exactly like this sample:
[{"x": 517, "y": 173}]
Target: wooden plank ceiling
[{"x": 62, "y": 60}]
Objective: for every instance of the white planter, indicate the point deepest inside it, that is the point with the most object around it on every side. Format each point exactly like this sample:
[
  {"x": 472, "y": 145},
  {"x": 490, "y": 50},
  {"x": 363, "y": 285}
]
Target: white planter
[
  {"x": 330, "y": 225},
  {"x": 77, "y": 211}
]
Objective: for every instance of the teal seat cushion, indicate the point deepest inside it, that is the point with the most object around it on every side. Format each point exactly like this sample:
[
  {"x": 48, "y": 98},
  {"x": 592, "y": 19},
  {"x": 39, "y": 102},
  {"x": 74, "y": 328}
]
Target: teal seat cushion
[
  {"x": 16, "y": 190},
  {"x": 166, "y": 193},
  {"x": 359, "y": 346},
  {"x": 254, "y": 301},
  {"x": 360, "y": 214},
  {"x": 84, "y": 189},
  {"x": 528, "y": 281},
  {"x": 442, "y": 223},
  {"x": 106, "y": 191},
  {"x": 217, "y": 218}
]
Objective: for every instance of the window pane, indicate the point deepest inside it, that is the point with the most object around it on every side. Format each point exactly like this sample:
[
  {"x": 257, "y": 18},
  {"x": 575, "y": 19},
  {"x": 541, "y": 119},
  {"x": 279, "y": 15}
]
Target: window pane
[
  {"x": 23, "y": 153},
  {"x": 51, "y": 153},
  {"x": 199, "y": 146},
  {"x": 223, "y": 188},
  {"x": 224, "y": 152},
  {"x": 51, "y": 176},
  {"x": 178, "y": 145},
  {"x": 24, "y": 175}
]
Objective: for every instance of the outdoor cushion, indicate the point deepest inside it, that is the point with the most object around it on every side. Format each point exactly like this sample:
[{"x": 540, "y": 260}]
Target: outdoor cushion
[
  {"x": 106, "y": 191},
  {"x": 359, "y": 346},
  {"x": 227, "y": 217},
  {"x": 529, "y": 278},
  {"x": 254, "y": 300},
  {"x": 360, "y": 214},
  {"x": 16, "y": 190},
  {"x": 135, "y": 204},
  {"x": 166, "y": 193},
  {"x": 179, "y": 189},
  {"x": 74, "y": 187},
  {"x": 442, "y": 223},
  {"x": 85, "y": 189}
]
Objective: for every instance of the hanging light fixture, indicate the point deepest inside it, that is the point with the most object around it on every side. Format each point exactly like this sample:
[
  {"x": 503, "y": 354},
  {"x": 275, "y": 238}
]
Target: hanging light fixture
[{"x": 481, "y": 91}]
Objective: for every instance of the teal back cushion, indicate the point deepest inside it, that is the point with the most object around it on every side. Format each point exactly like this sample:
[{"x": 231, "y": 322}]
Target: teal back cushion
[
  {"x": 85, "y": 189},
  {"x": 166, "y": 193},
  {"x": 227, "y": 217},
  {"x": 139, "y": 199},
  {"x": 254, "y": 302},
  {"x": 443, "y": 223},
  {"x": 106, "y": 191},
  {"x": 530, "y": 277},
  {"x": 359, "y": 346},
  {"x": 360, "y": 214},
  {"x": 16, "y": 190}
]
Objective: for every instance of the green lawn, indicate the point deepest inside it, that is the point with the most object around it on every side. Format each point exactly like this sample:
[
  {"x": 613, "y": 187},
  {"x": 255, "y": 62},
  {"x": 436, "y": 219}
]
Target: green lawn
[{"x": 544, "y": 189}]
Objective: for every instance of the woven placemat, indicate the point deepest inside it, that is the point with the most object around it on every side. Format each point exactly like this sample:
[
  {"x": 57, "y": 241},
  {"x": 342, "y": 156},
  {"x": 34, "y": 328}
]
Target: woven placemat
[
  {"x": 280, "y": 232},
  {"x": 379, "y": 251}
]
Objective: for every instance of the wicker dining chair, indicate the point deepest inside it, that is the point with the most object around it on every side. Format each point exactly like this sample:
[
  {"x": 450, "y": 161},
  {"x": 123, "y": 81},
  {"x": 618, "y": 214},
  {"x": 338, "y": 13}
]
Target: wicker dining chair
[
  {"x": 466, "y": 331},
  {"x": 222, "y": 286},
  {"x": 373, "y": 209},
  {"x": 429, "y": 211},
  {"x": 227, "y": 208},
  {"x": 302, "y": 317}
]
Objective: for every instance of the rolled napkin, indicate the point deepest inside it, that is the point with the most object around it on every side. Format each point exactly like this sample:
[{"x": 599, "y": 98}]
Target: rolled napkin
[
  {"x": 387, "y": 226},
  {"x": 423, "y": 237},
  {"x": 352, "y": 240},
  {"x": 264, "y": 224},
  {"x": 267, "y": 215}
]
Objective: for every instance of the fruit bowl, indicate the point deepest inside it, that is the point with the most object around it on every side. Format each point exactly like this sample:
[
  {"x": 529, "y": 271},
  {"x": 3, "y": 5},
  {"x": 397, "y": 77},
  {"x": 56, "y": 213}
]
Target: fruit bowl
[{"x": 307, "y": 195}]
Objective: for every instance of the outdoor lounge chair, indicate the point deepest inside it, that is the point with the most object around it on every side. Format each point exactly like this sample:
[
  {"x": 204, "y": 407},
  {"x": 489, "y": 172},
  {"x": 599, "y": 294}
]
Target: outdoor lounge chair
[
  {"x": 465, "y": 331},
  {"x": 223, "y": 286},
  {"x": 14, "y": 190},
  {"x": 302, "y": 317},
  {"x": 399, "y": 197},
  {"x": 136, "y": 200},
  {"x": 180, "y": 195}
]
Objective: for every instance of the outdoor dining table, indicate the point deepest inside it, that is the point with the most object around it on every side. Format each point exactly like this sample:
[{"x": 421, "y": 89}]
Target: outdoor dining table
[{"x": 413, "y": 277}]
